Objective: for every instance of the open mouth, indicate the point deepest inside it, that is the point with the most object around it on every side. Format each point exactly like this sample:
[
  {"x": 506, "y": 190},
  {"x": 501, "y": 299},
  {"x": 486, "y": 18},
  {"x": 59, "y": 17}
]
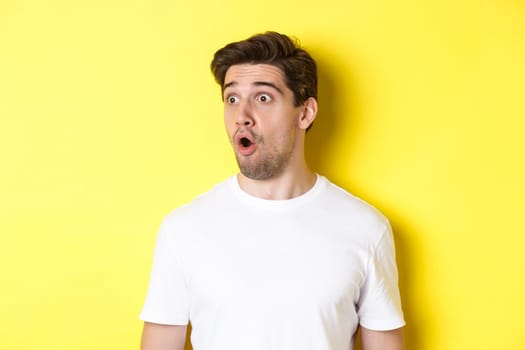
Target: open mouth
[{"x": 245, "y": 142}]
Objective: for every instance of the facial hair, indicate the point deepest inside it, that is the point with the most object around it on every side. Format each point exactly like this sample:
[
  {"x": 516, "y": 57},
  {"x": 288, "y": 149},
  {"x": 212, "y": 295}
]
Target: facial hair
[{"x": 265, "y": 163}]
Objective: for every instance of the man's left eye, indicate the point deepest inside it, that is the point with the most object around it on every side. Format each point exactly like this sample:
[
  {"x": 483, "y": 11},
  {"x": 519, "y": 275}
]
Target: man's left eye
[{"x": 264, "y": 98}]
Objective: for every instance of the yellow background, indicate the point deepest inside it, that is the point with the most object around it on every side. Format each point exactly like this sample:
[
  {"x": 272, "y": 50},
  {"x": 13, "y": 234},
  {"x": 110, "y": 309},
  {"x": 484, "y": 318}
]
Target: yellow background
[{"x": 110, "y": 118}]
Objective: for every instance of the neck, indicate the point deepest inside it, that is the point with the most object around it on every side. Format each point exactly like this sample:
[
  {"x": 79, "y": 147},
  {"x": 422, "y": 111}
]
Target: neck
[{"x": 290, "y": 184}]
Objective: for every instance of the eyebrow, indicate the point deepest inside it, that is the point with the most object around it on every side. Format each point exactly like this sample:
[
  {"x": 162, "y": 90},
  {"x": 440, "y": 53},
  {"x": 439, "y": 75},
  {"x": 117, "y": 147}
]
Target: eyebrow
[{"x": 255, "y": 83}]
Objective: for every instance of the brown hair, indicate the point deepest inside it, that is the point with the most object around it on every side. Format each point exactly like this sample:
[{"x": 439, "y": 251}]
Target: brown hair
[{"x": 298, "y": 67}]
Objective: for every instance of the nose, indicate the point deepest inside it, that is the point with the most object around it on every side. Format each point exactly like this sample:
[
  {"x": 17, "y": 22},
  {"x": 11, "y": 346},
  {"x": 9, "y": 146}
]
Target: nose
[{"x": 245, "y": 115}]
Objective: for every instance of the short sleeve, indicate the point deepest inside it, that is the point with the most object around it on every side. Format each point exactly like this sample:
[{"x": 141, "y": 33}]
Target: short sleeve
[
  {"x": 379, "y": 306},
  {"x": 167, "y": 300}
]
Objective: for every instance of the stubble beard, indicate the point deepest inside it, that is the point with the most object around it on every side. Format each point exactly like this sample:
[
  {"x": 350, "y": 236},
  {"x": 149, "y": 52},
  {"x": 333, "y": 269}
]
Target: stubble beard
[{"x": 264, "y": 165}]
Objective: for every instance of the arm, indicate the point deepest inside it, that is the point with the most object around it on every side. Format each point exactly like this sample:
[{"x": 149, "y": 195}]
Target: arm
[
  {"x": 382, "y": 340},
  {"x": 163, "y": 337}
]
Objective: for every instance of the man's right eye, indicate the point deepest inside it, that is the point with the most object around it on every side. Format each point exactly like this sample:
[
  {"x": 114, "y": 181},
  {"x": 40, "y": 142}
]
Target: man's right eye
[{"x": 232, "y": 99}]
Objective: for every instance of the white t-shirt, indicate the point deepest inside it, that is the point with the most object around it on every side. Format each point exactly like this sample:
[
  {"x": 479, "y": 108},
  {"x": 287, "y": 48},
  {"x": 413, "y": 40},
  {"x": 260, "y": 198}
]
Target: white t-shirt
[{"x": 256, "y": 274}]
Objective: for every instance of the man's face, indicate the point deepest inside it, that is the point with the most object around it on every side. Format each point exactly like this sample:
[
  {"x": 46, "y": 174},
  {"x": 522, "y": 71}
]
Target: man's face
[{"x": 261, "y": 119}]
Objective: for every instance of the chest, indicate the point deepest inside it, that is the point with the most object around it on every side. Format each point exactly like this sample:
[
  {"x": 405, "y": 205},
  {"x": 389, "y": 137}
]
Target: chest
[{"x": 270, "y": 266}]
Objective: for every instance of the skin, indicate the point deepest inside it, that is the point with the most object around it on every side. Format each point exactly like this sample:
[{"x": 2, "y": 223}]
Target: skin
[
  {"x": 258, "y": 102},
  {"x": 259, "y": 105},
  {"x": 163, "y": 337},
  {"x": 386, "y": 340}
]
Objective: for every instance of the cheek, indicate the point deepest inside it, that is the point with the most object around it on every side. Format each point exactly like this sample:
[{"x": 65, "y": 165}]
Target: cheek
[
  {"x": 229, "y": 132},
  {"x": 229, "y": 122},
  {"x": 228, "y": 128}
]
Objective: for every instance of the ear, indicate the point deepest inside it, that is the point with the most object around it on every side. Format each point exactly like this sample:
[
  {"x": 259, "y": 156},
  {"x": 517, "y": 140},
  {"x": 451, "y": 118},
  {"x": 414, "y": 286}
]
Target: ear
[{"x": 308, "y": 113}]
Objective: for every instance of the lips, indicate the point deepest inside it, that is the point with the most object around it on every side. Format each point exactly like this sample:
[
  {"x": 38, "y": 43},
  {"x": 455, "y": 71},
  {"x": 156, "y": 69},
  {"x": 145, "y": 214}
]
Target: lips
[{"x": 245, "y": 143}]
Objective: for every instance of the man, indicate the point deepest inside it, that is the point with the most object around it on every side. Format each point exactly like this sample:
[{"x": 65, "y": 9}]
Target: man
[{"x": 277, "y": 257}]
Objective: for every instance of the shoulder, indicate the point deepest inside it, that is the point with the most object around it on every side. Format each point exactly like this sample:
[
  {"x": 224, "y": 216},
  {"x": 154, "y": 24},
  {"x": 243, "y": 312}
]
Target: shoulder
[
  {"x": 205, "y": 204},
  {"x": 348, "y": 209}
]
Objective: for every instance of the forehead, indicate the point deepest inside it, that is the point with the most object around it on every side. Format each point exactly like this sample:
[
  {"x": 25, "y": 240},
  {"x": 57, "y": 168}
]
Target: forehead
[{"x": 250, "y": 73}]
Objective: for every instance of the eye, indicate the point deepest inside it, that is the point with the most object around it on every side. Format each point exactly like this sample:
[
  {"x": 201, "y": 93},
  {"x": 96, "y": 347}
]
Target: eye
[
  {"x": 232, "y": 99},
  {"x": 264, "y": 98}
]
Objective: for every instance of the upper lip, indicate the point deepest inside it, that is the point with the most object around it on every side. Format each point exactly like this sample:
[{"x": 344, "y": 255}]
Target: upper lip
[{"x": 240, "y": 134}]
